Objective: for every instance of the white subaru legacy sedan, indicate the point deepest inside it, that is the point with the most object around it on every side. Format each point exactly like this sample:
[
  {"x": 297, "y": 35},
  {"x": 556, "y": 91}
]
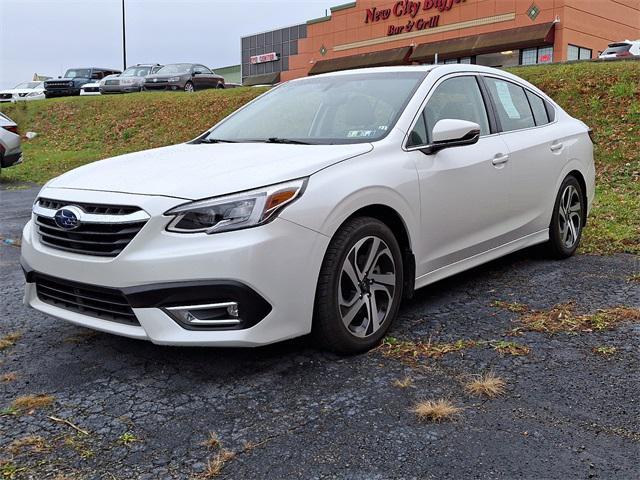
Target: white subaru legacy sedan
[{"x": 316, "y": 208}]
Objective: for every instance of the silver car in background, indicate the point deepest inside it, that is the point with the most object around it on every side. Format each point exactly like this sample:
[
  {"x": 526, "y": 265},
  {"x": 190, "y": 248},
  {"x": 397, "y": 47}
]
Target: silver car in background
[
  {"x": 131, "y": 80},
  {"x": 10, "y": 148}
]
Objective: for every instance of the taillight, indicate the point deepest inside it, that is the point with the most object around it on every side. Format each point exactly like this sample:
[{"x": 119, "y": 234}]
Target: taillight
[
  {"x": 12, "y": 129},
  {"x": 592, "y": 136}
]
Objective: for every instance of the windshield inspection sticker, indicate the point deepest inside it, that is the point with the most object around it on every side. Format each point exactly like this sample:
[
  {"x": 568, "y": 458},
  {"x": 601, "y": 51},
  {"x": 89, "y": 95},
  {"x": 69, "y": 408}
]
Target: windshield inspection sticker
[
  {"x": 506, "y": 100},
  {"x": 361, "y": 133}
]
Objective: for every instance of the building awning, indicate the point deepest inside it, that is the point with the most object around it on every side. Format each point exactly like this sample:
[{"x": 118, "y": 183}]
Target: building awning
[
  {"x": 263, "y": 79},
  {"x": 512, "y": 39},
  {"x": 394, "y": 56}
]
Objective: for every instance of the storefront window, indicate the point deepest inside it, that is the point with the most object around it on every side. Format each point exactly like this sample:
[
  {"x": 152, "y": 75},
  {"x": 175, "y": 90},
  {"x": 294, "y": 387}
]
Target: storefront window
[
  {"x": 578, "y": 53},
  {"x": 533, "y": 56}
]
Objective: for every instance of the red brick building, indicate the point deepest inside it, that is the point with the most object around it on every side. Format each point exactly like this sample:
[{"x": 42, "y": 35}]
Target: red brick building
[{"x": 487, "y": 32}]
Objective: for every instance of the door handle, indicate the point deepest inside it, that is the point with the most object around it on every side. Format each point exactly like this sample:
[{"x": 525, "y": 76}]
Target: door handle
[
  {"x": 556, "y": 147},
  {"x": 500, "y": 159}
]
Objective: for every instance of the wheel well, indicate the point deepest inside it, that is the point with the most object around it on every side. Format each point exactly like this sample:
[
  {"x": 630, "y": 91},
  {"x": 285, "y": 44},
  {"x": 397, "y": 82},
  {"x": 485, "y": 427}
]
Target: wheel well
[
  {"x": 394, "y": 221},
  {"x": 583, "y": 185}
]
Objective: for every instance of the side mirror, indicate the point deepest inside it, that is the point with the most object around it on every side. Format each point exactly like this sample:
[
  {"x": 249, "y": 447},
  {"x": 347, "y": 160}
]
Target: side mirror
[{"x": 452, "y": 133}]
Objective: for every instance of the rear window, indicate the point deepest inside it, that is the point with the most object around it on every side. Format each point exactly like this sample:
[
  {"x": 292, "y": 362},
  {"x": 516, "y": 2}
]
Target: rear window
[
  {"x": 538, "y": 108},
  {"x": 511, "y": 103},
  {"x": 617, "y": 48}
]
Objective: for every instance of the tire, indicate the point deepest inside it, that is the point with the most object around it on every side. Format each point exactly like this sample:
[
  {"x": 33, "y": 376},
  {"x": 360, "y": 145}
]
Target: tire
[
  {"x": 564, "y": 237},
  {"x": 220, "y": 85},
  {"x": 348, "y": 287},
  {"x": 189, "y": 88}
]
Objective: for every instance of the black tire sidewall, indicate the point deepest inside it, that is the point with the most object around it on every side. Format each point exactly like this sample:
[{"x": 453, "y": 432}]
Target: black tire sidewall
[
  {"x": 328, "y": 326},
  {"x": 555, "y": 241}
]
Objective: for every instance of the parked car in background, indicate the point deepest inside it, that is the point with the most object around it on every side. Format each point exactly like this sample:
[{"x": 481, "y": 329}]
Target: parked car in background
[
  {"x": 10, "y": 147},
  {"x": 131, "y": 80},
  {"x": 628, "y": 48},
  {"x": 93, "y": 88},
  {"x": 187, "y": 77},
  {"x": 74, "y": 79},
  {"x": 24, "y": 91},
  {"x": 316, "y": 208}
]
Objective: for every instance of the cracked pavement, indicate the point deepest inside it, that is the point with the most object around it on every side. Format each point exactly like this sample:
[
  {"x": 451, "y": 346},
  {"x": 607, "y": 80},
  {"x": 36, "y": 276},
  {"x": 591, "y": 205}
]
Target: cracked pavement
[{"x": 567, "y": 413}]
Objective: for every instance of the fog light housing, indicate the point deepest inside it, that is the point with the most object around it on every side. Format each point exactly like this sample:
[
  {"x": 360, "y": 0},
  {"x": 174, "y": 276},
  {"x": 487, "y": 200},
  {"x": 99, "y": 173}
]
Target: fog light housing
[{"x": 210, "y": 315}]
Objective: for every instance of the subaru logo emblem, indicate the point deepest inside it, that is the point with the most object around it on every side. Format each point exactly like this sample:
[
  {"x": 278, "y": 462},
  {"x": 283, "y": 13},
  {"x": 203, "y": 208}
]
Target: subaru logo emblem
[{"x": 68, "y": 217}]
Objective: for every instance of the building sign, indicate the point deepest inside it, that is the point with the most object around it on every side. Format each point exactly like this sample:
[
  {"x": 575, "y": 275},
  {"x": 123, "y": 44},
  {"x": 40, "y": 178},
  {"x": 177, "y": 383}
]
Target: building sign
[
  {"x": 266, "y": 57},
  {"x": 411, "y": 9}
]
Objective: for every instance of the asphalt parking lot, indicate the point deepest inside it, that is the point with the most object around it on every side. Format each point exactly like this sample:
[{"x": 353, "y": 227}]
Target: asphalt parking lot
[{"x": 124, "y": 409}]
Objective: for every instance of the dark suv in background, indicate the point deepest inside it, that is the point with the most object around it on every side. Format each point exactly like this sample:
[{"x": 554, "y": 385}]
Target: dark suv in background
[
  {"x": 74, "y": 79},
  {"x": 187, "y": 77}
]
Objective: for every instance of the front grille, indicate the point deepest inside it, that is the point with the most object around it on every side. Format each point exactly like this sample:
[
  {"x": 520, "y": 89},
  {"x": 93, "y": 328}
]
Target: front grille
[
  {"x": 58, "y": 85},
  {"x": 99, "y": 302},
  {"x": 100, "y": 237},
  {"x": 112, "y": 82},
  {"x": 91, "y": 89},
  {"x": 5, "y": 96},
  {"x": 96, "y": 208}
]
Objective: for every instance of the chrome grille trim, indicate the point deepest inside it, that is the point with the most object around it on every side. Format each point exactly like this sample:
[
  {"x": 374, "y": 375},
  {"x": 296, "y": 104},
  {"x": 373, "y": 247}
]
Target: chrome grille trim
[{"x": 104, "y": 234}]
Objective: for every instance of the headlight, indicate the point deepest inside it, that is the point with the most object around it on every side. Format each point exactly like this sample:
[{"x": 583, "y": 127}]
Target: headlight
[
  {"x": 233, "y": 212},
  {"x": 174, "y": 79}
]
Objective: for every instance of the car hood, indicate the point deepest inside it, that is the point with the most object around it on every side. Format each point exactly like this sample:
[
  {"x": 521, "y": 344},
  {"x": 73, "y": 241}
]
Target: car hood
[
  {"x": 165, "y": 76},
  {"x": 17, "y": 91},
  {"x": 65, "y": 79},
  {"x": 194, "y": 171}
]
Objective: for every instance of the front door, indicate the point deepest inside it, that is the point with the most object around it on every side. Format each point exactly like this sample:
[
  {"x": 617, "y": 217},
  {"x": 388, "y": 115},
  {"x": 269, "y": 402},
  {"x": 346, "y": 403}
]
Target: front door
[{"x": 464, "y": 190}]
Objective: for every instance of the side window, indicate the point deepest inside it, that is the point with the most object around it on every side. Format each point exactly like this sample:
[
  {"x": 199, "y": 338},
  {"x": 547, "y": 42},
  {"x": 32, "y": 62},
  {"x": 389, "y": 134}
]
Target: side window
[
  {"x": 201, "y": 69},
  {"x": 457, "y": 98},
  {"x": 511, "y": 103},
  {"x": 538, "y": 108},
  {"x": 97, "y": 75},
  {"x": 418, "y": 135}
]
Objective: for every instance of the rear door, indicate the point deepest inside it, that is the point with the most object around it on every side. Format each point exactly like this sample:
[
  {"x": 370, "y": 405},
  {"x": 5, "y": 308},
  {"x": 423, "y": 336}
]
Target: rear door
[
  {"x": 464, "y": 190},
  {"x": 537, "y": 153}
]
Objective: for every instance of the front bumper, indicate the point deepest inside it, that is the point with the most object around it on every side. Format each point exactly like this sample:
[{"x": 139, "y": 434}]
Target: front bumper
[
  {"x": 172, "y": 86},
  {"x": 278, "y": 262},
  {"x": 120, "y": 88},
  {"x": 11, "y": 159}
]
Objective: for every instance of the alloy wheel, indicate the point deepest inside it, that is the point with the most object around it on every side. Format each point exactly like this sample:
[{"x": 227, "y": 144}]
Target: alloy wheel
[
  {"x": 570, "y": 216},
  {"x": 188, "y": 88},
  {"x": 367, "y": 286}
]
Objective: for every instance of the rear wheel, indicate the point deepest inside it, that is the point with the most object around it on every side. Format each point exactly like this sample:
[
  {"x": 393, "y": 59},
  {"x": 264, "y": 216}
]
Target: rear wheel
[
  {"x": 567, "y": 221},
  {"x": 359, "y": 288}
]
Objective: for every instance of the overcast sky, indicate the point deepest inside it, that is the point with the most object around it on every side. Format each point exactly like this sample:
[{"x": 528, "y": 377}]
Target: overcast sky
[{"x": 49, "y": 36}]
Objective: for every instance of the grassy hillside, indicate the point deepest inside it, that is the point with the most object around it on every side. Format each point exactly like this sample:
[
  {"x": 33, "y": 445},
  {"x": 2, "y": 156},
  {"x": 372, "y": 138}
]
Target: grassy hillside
[{"x": 606, "y": 96}]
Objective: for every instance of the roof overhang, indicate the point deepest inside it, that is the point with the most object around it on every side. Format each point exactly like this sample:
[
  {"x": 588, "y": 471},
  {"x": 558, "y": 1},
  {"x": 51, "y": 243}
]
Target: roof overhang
[
  {"x": 384, "y": 58},
  {"x": 512, "y": 39},
  {"x": 263, "y": 79}
]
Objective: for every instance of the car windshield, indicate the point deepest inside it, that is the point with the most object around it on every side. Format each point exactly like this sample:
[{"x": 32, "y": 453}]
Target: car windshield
[
  {"x": 617, "y": 48},
  {"x": 347, "y": 108},
  {"x": 28, "y": 85},
  {"x": 175, "y": 68},
  {"x": 136, "y": 72},
  {"x": 78, "y": 73}
]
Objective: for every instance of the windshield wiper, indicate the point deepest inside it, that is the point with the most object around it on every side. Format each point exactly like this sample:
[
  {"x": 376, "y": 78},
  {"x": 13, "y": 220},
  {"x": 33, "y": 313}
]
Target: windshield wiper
[
  {"x": 216, "y": 140},
  {"x": 285, "y": 140}
]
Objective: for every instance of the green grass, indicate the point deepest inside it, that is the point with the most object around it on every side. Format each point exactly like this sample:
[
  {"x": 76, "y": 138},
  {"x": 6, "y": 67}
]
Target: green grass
[{"x": 606, "y": 96}]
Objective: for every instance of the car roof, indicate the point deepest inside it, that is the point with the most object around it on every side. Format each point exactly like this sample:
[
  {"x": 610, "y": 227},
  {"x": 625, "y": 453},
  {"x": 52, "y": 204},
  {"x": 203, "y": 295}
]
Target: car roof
[{"x": 442, "y": 69}]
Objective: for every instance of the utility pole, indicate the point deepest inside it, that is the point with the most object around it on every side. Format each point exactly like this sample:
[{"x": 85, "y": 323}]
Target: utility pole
[{"x": 124, "y": 41}]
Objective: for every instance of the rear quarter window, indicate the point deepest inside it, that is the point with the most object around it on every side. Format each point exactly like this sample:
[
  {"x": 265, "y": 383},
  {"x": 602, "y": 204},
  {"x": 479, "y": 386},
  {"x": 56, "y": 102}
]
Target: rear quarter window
[{"x": 538, "y": 108}]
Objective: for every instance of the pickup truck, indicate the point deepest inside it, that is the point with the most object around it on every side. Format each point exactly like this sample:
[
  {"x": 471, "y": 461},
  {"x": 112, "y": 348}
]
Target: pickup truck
[{"x": 74, "y": 79}]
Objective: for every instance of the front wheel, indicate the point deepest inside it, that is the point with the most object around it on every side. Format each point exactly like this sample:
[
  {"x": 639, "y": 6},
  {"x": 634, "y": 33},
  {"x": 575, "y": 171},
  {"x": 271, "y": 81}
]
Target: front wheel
[
  {"x": 188, "y": 87},
  {"x": 567, "y": 221},
  {"x": 359, "y": 287}
]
